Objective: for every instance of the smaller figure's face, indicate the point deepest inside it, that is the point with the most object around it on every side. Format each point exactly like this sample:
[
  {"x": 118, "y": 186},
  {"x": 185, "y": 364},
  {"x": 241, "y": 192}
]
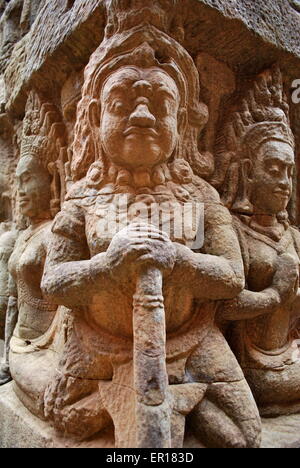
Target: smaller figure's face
[
  {"x": 272, "y": 177},
  {"x": 138, "y": 122},
  {"x": 33, "y": 183}
]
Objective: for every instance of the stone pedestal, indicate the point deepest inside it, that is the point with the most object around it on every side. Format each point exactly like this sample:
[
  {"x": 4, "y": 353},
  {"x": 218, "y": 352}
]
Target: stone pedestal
[{"x": 20, "y": 429}]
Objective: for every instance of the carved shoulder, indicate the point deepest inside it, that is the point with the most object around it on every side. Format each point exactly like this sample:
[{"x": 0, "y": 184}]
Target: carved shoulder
[
  {"x": 216, "y": 215},
  {"x": 70, "y": 221},
  {"x": 208, "y": 193}
]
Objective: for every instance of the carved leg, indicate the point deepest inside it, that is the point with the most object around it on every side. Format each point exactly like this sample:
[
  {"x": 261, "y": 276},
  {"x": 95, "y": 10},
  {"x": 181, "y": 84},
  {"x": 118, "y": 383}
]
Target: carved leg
[
  {"x": 276, "y": 391},
  {"x": 228, "y": 415},
  {"x": 75, "y": 407},
  {"x": 10, "y": 324}
]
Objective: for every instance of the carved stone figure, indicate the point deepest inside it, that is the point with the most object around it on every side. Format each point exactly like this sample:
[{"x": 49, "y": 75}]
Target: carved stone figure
[
  {"x": 152, "y": 300},
  {"x": 141, "y": 347},
  {"x": 259, "y": 158},
  {"x": 37, "y": 199},
  {"x": 7, "y": 241},
  {"x": 8, "y": 232}
]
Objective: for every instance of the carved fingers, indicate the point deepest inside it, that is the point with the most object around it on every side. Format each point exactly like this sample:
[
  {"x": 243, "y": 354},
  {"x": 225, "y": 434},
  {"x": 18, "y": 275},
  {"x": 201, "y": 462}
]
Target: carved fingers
[
  {"x": 286, "y": 278},
  {"x": 138, "y": 245}
]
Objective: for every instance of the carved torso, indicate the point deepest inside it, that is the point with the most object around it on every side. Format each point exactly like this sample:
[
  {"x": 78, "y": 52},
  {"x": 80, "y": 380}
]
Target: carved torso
[
  {"x": 26, "y": 267},
  {"x": 267, "y": 332},
  {"x": 86, "y": 218}
]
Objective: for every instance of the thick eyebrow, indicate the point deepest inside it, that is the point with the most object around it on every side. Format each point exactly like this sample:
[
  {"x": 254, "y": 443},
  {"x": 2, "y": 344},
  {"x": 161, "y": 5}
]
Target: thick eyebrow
[
  {"x": 164, "y": 90},
  {"x": 118, "y": 87}
]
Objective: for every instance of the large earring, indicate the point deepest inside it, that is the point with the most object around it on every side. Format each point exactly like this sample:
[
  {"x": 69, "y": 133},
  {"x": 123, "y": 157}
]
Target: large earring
[
  {"x": 55, "y": 189},
  {"x": 242, "y": 203}
]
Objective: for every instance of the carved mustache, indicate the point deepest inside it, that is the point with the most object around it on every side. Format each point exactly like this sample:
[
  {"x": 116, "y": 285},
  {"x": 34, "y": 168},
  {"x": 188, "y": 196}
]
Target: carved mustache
[
  {"x": 141, "y": 130},
  {"x": 283, "y": 193}
]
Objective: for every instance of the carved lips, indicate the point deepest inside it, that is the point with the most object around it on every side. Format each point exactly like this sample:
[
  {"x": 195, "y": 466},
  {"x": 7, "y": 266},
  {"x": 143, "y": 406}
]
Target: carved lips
[{"x": 140, "y": 131}]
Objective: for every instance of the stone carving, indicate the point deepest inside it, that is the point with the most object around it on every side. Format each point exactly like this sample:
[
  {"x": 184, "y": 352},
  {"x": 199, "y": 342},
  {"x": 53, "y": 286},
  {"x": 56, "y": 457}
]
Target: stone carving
[
  {"x": 38, "y": 199},
  {"x": 7, "y": 230},
  {"x": 152, "y": 295},
  {"x": 135, "y": 331},
  {"x": 7, "y": 241},
  {"x": 258, "y": 156}
]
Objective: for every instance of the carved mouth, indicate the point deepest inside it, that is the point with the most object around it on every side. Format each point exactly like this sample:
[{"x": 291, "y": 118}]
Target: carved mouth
[
  {"x": 140, "y": 131},
  {"x": 284, "y": 195}
]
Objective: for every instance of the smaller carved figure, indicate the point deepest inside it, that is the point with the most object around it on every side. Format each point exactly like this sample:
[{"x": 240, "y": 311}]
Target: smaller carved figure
[
  {"x": 8, "y": 231},
  {"x": 7, "y": 241},
  {"x": 259, "y": 162},
  {"x": 37, "y": 199}
]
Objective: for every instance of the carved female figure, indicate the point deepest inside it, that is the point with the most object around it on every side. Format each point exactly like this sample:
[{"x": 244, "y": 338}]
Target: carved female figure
[
  {"x": 7, "y": 241},
  {"x": 269, "y": 306},
  {"x": 37, "y": 202},
  {"x": 8, "y": 235},
  {"x": 137, "y": 128}
]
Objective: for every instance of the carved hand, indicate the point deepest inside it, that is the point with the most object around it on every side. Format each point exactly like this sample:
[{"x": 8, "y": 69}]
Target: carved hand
[
  {"x": 138, "y": 245},
  {"x": 286, "y": 278}
]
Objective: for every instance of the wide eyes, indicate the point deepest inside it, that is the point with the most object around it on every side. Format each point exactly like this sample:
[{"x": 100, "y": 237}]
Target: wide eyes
[
  {"x": 118, "y": 106},
  {"x": 277, "y": 170},
  {"x": 24, "y": 179},
  {"x": 161, "y": 106},
  {"x": 165, "y": 107},
  {"x": 274, "y": 170}
]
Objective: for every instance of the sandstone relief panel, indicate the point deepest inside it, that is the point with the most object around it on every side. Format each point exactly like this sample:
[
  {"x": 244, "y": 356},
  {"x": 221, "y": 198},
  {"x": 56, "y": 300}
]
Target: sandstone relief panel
[{"x": 149, "y": 249}]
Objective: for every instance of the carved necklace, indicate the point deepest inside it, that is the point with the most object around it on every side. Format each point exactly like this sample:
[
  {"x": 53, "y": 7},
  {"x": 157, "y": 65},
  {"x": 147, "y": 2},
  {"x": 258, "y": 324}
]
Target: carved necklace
[{"x": 253, "y": 230}]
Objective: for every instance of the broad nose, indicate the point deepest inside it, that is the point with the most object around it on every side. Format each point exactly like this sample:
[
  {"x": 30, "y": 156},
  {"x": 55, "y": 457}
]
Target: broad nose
[{"x": 142, "y": 117}]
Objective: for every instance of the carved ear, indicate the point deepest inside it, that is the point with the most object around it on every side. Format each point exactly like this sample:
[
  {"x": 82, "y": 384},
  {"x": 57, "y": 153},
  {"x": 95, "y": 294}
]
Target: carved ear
[
  {"x": 247, "y": 170},
  {"x": 94, "y": 113},
  {"x": 182, "y": 121},
  {"x": 242, "y": 203}
]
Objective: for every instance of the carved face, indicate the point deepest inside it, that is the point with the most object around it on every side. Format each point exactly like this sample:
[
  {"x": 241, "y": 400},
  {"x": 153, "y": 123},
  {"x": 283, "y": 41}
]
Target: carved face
[
  {"x": 139, "y": 117},
  {"x": 272, "y": 177},
  {"x": 33, "y": 183}
]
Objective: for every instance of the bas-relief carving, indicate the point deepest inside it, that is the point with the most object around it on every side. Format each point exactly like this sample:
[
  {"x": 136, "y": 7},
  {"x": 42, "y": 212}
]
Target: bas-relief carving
[
  {"x": 38, "y": 200},
  {"x": 258, "y": 157},
  {"x": 7, "y": 227},
  {"x": 125, "y": 328}
]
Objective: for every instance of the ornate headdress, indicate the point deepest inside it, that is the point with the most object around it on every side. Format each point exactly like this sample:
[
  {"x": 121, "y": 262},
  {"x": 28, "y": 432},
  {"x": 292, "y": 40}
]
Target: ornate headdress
[
  {"x": 43, "y": 137},
  {"x": 264, "y": 116},
  {"x": 132, "y": 39}
]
